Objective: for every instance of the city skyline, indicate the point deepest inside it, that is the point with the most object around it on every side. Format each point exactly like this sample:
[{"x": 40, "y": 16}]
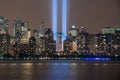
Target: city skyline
[
  {"x": 59, "y": 39},
  {"x": 78, "y": 42},
  {"x": 90, "y": 14}
]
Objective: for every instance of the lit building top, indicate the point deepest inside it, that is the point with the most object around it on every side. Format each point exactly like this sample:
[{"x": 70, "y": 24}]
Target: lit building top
[
  {"x": 107, "y": 30},
  {"x": 73, "y": 31},
  {"x": 3, "y": 25}
]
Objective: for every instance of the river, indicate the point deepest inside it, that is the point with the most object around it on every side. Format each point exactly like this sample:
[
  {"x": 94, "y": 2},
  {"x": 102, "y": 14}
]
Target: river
[{"x": 59, "y": 70}]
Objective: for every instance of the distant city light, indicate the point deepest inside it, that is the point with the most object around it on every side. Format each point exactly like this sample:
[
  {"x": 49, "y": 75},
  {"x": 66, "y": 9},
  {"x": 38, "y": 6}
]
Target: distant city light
[
  {"x": 54, "y": 18},
  {"x": 96, "y": 45},
  {"x": 73, "y": 26},
  {"x": 98, "y": 59}
]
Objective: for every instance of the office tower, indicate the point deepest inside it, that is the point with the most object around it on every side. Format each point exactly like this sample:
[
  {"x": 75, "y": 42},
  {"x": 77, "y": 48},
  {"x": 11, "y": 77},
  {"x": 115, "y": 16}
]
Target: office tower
[
  {"x": 73, "y": 31},
  {"x": 42, "y": 29},
  {"x": 107, "y": 30},
  {"x": 4, "y": 43},
  {"x": 3, "y": 25},
  {"x": 116, "y": 41},
  {"x": 41, "y": 36},
  {"x": 32, "y": 46},
  {"x": 17, "y": 28},
  {"x": 70, "y": 44},
  {"x": 21, "y": 32},
  {"x": 59, "y": 44},
  {"x": 50, "y": 46},
  {"x": 40, "y": 46},
  {"x": 24, "y": 33},
  {"x": 40, "y": 43},
  {"x": 11, "y": 46},
  {"x": 67, "y": 46},
  {"x": 83, "y": 41},
  {"x": 93, "y": 43},
  {"x": 4, "y": 36},
  {"x": 107, "y": 40}
]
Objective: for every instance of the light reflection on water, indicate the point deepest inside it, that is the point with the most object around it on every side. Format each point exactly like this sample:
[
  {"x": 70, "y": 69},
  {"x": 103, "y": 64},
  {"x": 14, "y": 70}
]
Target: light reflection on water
[
  {"x": 13, "y": 64},
  {"x": 27, "y": 68},
  {"x": 56, "y": 70},
  {"x": 96, "y": 64}
]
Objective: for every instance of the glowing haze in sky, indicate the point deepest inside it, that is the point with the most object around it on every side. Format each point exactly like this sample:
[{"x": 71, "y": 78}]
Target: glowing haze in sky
[{"x": 93, "y": 14}]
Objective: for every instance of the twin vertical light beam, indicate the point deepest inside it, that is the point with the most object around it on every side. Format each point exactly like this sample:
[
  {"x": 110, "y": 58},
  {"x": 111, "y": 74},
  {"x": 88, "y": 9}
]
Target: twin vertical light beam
[
  {"x": 55, "y": 19},
  {"x": 59, "y": 46}
]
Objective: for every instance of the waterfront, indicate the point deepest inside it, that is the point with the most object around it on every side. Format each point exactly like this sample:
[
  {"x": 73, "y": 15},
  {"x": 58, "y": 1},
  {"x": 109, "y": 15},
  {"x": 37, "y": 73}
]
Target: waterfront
[{"x": 59, "y": 70}]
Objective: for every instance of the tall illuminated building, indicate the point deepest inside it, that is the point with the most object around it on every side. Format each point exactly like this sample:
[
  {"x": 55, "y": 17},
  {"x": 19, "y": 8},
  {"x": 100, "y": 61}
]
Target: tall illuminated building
[
  {"x": 83, "y": 41},
  {"x": 110, "y": 40},
  {"x": 42, "y": 29},
  {"x": 32, "y": 46},
  {"x": 59, "y": 42},
  {"x": 67, "y": 46},
  {"x": 4, "y": 37},
  {"x": 3, "y": 25},
  {"x": 70, "y": 44},
  {"x": 116, "y": 40},
  {"x": 107, "y": 30},
  {"x": 21, "y": 31},
  {"x": 73, "y": 31},
  {"x": 17, "y": 27},
  {"x": 40, "y": 39},
  {"x": 40, "y": 46},
  {"x": 49, "y": 42},
  {"x": 4, "y": 43},
  {"x": 25, "y": 33}
]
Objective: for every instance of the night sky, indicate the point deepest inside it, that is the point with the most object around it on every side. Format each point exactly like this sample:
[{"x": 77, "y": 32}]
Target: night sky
[{"x": 92, "y": 14}]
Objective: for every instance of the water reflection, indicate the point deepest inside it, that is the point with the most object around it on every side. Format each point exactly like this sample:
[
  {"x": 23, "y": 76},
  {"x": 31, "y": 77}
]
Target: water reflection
[
  {"x": 13, "y": 64},
  {"x": 27, "y": 65},
  {"x": 73, "y": 65},
  {"x": 104, "y": 64},
  {"x": 96, "y": 64},
  {"x": 60, "y": 70}
]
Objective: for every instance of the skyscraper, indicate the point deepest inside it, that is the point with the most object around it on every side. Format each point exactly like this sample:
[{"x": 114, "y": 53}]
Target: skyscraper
[
  {"x": 73, "y": 31},
  {"x": 4, "y": 37},
  {"x": 3, "y": 25},
  {"x": 21, "y": 32}
]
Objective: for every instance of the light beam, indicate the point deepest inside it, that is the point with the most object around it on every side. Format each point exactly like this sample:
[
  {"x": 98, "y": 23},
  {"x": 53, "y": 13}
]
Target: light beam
[
  {"x": 54, "y": 18},
  {"x": 64, "y": 19}
]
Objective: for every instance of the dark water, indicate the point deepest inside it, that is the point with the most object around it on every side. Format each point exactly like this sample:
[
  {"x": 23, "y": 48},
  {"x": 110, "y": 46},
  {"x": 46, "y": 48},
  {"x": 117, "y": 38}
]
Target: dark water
[{"x": 59, "y": 70}]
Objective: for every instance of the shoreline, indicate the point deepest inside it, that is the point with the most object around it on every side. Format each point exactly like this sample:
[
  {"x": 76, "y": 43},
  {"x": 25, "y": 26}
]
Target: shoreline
[{"x": 81, "y": 59}]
